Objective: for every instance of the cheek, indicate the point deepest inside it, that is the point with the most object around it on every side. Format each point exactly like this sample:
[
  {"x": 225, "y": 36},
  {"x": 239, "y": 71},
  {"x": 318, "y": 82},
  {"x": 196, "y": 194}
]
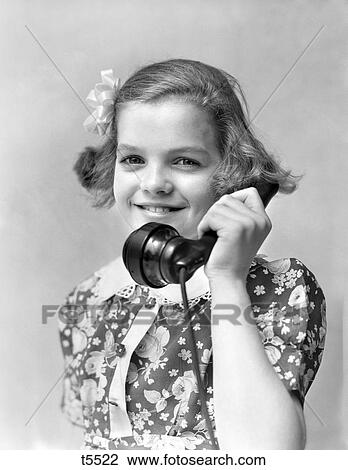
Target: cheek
[
  {"x": 201, "y": 202},
  {"x": 203, "y": 193}
]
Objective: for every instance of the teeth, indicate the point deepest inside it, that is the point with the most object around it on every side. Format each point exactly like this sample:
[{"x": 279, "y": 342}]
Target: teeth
[{"x": 160, "y": 210}]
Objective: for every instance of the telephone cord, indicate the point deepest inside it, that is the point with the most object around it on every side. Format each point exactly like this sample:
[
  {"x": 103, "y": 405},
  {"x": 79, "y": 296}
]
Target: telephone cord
[{"x": 195, "y": 361}]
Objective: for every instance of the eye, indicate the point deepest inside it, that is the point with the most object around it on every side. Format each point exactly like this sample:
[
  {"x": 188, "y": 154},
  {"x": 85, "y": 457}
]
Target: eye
[
  {"x": 190, "y": 162},
  {"x": 130, "y": 160}
]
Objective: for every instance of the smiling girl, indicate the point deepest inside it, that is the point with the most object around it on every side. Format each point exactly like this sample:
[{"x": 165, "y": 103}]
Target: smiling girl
[{"x": 179, "y": 150}]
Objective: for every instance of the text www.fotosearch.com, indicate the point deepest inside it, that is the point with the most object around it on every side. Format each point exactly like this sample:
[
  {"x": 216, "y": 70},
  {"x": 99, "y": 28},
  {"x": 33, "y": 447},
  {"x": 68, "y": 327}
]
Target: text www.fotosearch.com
[{"x": 166, "y": 459}]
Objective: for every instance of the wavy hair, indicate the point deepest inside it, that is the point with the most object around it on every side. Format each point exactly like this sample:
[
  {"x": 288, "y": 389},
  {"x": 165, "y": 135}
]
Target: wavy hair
[{"x": 244, "y": 162}]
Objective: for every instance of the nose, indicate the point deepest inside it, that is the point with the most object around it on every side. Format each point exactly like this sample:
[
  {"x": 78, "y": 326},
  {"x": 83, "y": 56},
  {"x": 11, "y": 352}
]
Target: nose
[{"x": 156, "y": 179}]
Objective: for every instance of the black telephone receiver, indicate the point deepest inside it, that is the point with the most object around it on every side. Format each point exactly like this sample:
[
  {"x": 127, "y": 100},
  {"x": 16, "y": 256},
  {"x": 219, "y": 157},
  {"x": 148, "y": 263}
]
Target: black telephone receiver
[{"x": 155, "y": 253}]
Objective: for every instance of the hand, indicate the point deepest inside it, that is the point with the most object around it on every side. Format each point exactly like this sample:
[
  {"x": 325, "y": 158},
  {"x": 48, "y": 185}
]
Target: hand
[{"x": 241, "y": 224}]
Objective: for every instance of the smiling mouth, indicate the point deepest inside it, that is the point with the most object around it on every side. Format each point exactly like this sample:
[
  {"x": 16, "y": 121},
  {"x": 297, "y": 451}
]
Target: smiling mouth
[{"x": 159, "y": 210}]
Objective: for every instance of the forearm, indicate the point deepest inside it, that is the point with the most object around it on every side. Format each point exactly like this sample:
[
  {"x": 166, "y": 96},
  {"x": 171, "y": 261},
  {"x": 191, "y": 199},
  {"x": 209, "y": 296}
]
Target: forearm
[{"x": 253, "y": 409}]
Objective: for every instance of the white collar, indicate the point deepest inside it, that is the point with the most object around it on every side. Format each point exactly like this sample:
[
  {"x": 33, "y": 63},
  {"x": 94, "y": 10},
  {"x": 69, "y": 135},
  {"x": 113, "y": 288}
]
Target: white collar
[{"x": 114, "y": 278}]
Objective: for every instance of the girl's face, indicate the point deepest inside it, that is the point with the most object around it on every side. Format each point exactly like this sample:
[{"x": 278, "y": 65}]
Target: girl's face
[{"x": 166, "y": 152}]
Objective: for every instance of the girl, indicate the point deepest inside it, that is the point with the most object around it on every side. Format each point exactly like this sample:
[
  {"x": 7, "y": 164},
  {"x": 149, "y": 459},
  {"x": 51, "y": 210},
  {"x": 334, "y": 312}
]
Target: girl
[{"x": 179, "y": 150}]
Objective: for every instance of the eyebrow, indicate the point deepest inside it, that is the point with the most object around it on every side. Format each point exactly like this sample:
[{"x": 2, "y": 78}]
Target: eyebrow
[{"x": 186, "y": 149}]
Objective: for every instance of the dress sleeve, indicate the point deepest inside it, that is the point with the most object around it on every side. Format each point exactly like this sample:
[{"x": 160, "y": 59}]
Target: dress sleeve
[
  {"x": 290, "y": 311},
  {"x": 77, "y": 323}
]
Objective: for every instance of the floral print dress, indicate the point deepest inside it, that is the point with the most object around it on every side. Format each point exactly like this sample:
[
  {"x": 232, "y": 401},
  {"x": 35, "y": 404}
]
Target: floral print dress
[{"x": 133, "y": 386}]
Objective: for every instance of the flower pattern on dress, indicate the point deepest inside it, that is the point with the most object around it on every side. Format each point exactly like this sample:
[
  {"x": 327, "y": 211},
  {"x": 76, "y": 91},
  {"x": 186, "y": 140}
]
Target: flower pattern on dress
[{"x": 163, "y": 404}]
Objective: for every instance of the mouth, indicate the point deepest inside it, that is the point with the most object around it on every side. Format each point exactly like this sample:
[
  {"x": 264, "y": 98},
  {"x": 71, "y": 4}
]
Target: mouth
[{"x": 158, "y": 211}]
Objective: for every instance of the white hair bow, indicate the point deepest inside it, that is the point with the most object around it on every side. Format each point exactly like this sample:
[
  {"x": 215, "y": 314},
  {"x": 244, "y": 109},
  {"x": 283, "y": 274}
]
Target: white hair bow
[{"x": 101, "y": 98}]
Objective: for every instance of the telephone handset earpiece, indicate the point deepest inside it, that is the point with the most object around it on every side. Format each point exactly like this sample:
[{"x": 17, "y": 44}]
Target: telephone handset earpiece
[{"x": 155, "y": 253}]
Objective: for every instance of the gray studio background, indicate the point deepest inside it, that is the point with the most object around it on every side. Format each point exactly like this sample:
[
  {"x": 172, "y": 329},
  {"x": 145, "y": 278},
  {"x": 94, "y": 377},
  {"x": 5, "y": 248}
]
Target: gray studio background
[{"x": 51, "y": 238}]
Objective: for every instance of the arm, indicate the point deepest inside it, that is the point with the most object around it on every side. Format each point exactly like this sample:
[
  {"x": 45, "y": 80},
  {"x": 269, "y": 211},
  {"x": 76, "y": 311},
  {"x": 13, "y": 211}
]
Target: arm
[
  {"x": 74, "y": 320},
  {"x": 71, "y": 404},
  {"x": 253, "y": 409}
]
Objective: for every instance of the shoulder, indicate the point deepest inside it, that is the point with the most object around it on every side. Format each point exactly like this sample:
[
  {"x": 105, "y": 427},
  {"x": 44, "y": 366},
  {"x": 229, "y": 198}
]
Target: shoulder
[
  {"x": 85, "y": 303},
  {"x": 283, "y": 274},
  {"x": 102, "y": 283},
  {"x": 287, "y": 288},
  {"x": 286, "y": 293},
  {"x": 289, "y": 309}
]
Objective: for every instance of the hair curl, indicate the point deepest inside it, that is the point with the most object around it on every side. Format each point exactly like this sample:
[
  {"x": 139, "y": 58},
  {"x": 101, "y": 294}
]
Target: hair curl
[{"x": 244, "y": 159}]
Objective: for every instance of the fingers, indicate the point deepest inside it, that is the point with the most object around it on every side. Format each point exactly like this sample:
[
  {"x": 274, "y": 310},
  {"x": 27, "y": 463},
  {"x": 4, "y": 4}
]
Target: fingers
[
  {"x": 223, "y": 220},
  {"x": 248, "y": 202},
  {"x": 249, "y": 197},
  {"x": 215, "y": 219},
  {"x": 242, "y": 209}
]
